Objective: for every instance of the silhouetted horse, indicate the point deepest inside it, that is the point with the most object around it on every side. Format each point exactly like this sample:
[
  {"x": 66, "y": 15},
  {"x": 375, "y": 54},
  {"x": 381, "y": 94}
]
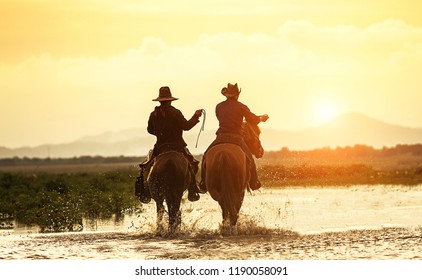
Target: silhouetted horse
[
  {"x": 168, "y": 179},
  {"x": 227, "y": 172}
]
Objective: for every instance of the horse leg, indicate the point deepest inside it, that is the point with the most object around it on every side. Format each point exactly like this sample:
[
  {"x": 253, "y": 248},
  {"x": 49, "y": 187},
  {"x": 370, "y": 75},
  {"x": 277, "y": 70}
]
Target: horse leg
[
  {"x": 234, "y": 214},
  {"x": 175, "y": 216},
  {"x": 226, "y": 216},
  {"x": 160, "y": 214}
]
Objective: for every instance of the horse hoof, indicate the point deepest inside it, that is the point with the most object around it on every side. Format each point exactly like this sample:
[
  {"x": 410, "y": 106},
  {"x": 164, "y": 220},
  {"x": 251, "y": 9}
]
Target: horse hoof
[
  {"x": 145, "y": 200},
  {"x": 193, "y": 197}
]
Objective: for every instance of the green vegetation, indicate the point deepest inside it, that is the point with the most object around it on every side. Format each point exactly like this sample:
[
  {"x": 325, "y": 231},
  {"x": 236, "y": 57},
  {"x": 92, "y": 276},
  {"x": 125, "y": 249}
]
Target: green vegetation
[
  {"x": 57, "y": 194},
  {"x": 399, "y": 157},
  {"x": 342, "y": 166},
  {"x": 327, "y": 175},
  {"x": 16, "y": 161},
  {"x": 59, "y": 202}
]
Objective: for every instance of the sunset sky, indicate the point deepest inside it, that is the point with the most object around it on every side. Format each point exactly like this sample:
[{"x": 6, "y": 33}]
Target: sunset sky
[{"x": 69, "y": 69}]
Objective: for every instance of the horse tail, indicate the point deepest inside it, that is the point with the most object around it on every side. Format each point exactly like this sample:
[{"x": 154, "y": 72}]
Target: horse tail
[
  {"x": 222, "y": 162},
  {"x": 230, "y": 197},
  {"x": 227, "y": 180}
]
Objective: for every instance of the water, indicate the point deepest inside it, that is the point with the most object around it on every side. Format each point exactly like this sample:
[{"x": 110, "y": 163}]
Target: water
[{"x": 358, "y": 222}]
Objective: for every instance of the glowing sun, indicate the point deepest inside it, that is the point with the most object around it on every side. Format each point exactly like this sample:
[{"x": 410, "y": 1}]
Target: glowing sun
[{"x": 325, "y": 111}]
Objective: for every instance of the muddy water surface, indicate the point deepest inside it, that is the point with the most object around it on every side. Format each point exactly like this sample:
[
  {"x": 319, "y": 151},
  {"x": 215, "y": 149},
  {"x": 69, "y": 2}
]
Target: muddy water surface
[{"x": 358, "y": 222}]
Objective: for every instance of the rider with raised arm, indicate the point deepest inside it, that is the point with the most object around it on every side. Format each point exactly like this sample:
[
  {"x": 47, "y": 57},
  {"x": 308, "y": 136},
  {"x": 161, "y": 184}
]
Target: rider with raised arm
[
  {"x": 230, "y": 114},
  {"x": 168, "y": 123}
]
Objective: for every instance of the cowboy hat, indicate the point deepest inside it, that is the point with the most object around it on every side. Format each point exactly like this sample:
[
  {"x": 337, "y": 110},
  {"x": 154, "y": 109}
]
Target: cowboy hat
[
  {"x": 165, "y": 95},
  {"x": 231, "y": 90}
]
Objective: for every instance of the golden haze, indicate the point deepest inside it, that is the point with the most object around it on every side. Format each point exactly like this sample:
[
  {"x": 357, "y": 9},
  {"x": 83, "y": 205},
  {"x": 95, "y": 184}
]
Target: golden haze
[{"x": 74, "y": 68}]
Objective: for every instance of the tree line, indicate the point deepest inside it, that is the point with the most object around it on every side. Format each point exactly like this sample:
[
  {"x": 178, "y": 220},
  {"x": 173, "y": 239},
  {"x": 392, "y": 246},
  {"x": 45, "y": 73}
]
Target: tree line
[
  {"x": 351, "y": 151},
  {"x": 355, "y": 151},
  {"x": 16, "y": 161}
]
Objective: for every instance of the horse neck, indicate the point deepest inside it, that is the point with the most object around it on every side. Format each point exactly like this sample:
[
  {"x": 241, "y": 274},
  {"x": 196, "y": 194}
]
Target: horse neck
[{"x": 251, "y": 138}]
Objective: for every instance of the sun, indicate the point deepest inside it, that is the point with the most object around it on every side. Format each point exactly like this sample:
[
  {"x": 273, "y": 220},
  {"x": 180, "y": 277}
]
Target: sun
[{"x": 325, "y": 111}]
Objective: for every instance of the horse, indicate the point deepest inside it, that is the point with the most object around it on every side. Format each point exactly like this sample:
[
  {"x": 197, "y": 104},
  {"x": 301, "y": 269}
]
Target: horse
[
  {"x": 227, "y": 172},
  {"x": 169, "y": 177}
]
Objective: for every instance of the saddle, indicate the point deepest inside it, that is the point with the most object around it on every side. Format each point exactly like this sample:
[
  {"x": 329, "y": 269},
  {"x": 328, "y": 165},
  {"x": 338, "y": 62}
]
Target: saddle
[
  {"x": 162, "y": 149},
  {"x": 233, "y": 139},
  {"x": 167, "y": 148},
  {"x": 141, "y": 190}
]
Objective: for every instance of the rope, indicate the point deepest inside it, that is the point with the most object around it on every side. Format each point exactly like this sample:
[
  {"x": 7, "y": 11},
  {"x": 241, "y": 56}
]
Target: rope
[{"x": 202, "y": 127}]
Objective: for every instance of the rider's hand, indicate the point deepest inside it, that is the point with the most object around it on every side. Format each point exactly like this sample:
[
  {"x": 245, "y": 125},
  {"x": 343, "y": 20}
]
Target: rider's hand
[
  {"x": 264, "y": 118},
  {"x": 198, "y": 113}
]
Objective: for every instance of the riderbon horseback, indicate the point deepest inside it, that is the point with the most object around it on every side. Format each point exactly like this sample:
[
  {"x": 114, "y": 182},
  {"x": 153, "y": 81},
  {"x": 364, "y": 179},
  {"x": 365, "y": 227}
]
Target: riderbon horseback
[
  {"x": 231, "y": 114},
  {"x": 168, "y": 123}
]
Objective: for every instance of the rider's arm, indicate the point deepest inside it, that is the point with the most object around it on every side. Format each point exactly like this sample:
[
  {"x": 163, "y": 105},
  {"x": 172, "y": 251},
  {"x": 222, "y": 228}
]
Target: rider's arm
[
  {"x": 151, "y": 124},
  {"x": 250, "y": 117},
  {"x": 184, "y": 123}
]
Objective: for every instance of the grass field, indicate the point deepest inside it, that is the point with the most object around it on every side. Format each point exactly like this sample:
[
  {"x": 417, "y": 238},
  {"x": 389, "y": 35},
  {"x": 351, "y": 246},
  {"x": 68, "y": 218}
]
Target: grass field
[
  {"x": 56, "y": 194},
  {"x": 59, "y": 201}
]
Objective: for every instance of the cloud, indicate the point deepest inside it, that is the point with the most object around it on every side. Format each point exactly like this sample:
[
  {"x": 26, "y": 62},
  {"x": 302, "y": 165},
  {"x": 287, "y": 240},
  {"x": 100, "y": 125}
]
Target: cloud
[{"x": 279, "y": 74}]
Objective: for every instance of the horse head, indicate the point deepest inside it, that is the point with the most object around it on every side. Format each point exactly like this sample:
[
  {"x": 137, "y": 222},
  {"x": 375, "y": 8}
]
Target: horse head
[{"x": 251, "y": 135}]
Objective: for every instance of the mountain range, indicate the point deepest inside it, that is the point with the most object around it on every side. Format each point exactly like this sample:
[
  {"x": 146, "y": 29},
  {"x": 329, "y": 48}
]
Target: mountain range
[{"x": 346, "y": 130}]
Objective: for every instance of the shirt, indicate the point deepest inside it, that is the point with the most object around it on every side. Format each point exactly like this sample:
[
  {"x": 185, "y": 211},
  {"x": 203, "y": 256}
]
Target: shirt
[
  {"x": 230, "y": 114},
  {"x": 168, "y": 123}
]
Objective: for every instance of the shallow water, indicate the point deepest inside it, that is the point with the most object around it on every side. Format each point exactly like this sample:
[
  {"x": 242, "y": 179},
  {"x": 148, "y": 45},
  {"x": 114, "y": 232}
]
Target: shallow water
[{"x": 358, "y": 222}]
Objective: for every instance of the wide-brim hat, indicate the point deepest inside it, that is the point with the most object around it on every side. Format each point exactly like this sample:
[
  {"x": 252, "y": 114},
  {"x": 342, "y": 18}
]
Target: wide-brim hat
[
  {"x": 165, "y": 95},
  {"x": 231, "y": 90}
]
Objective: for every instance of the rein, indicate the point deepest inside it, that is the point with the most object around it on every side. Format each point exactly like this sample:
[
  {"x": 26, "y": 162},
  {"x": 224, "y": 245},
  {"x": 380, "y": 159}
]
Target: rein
[{"x": 202, "y": 127}]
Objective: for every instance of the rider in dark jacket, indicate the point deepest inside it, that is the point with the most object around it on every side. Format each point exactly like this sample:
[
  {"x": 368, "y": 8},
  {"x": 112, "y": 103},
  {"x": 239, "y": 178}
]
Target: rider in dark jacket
[
  {"x": 167, "y": 123},
  {"x": 230, "y": 114}
]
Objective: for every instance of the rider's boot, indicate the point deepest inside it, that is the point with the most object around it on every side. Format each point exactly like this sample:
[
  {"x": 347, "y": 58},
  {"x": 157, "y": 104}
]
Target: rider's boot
[
  {"x": 141, "y": 190},
  {"x": 254, "y": 182},
  {"x": 254, "y": 185}
]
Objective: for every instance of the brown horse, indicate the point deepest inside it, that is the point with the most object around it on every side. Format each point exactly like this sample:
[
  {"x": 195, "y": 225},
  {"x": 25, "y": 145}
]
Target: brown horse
[
  {"x": 168, "y": 179},
  {"x": 227, "y": 172}
]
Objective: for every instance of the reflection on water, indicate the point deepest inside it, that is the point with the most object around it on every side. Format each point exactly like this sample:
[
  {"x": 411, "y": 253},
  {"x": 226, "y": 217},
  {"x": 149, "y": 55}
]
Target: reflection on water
[{"x": 374, "y": 222}]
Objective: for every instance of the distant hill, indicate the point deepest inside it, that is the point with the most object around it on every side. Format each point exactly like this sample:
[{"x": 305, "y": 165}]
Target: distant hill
[
  {"x": 129, "y": 142},
  {"x": 346, "y": 130}
]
